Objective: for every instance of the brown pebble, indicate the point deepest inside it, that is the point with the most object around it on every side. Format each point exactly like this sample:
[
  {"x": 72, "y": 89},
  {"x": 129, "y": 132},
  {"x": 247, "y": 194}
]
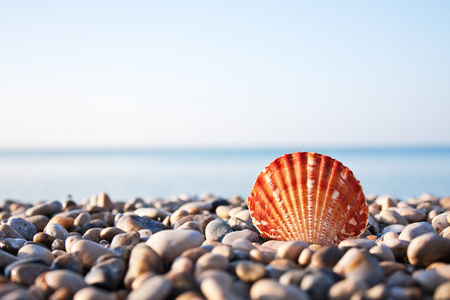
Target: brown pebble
[
  {"x": 93, "y": 234},
  {"x": 291, "y": 250},
  {"x": 92, "y": 293},
  {"x": 249, "y": 271},
  {"x": 420, "y": 253},
  {"x": 326, "y": 257},
  {"x": 305, "y": 257},
  {"x": 442, "y": 292},
  {"x": 344, "y": 289},
  {"x": 143, "y": 259},
  {"x": 82, "y": 219},
  {"x": 210, "y": 261},
  {"x": 26, "y": 274},
  {"x": 88, "y": 252},
  {"x": 390, "y": 267},
  {"x": 271, "y": 289}
]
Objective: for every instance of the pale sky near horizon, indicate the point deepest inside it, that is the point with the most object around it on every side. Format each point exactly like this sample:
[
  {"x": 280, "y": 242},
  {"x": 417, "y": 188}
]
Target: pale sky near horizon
[{"x": 99, "y": 74}]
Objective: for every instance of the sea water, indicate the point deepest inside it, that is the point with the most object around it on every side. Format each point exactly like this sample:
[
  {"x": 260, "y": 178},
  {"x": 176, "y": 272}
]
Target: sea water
[{"x": 32, "y": 176}]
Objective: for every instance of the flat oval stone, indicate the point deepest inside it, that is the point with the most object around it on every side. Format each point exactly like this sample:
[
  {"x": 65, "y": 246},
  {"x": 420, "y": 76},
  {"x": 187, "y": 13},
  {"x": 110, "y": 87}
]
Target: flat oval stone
[
  {"x": 216, "y": 230},
  {"x": 210, "y": 261},
  {"x": 123, "y": 243},
  {"x": 93, "y": 234},
  {"x": 344, "y": 289},
  {"x": 23, "y": 227},
  {"x": 107, "y": 274},
  {"x": 397, "y": 228},
  {"x": 155, "y": 288},
  {"x": 428, "y": 248},
  {"x": 443, "y": 291},
  {"x": 326, "y": 257},
  {"x": 271, "y": 289},
  {"x": 67, "y": 262},
  {"x": 47, "y": 209},
  {"x": 391, "y": 217},
  {"x": 135, "y": 223},
  {"x": 414, "y": 230},
  {"x": 249, "y": 271},
  {"x": 356, "y": 243},
  {"x": 36, "y": 251},
  {"x": 398, "y": 247},
  {"x": 382, "y": 252},
  {"x": 412, "y": 215},
  {"x": 88, "y": 252},
  {"x": 217, "y": 284},
  {"x": 54, "y": 280},
  {"x": 291, "y": 250},
  {"x": 92, "y": 293},
  {"x": 170, "y": 243},
  {"x": 26, "y": 274},
  {"x": 82, "y": 219},
  {"x": 243, "y": 234},
  {"x": 360, "y": 266},
  {"x": 38, "y": 221},
  {"x": 57, "y": 231}
]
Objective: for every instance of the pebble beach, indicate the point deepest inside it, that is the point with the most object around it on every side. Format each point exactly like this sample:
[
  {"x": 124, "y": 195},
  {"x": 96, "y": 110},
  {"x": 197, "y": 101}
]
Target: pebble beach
[{"x": 208, "y": 248}]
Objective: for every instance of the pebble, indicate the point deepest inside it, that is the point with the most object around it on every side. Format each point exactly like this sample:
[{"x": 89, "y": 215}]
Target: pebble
[
  {"x": 135, "y": 223},
  {"x": 326, "y": 257},
  {"x": 360, "y": 266},
  {"x": 414, "y": 230},
  {"x": 67, "y": 262},
  {"x": 391, "y": 217},
  {"x": 39, "y": 222},
  {"x": 47, "y": 209},
  {"x": 26, "y": 274},
  {"x": 122, "y": 244},
  {"x": 421, "y": 253},
  {"x": 271, "y": 289},
  {"x": 382, "y": 252},
  {"x": 154, "y": 288},
  {"x": 36, "y": 251},
  {"x": 217, "y": 284},
  {"x": 396, "y": 228},
  {"x": 291, "y": 250},
  {"x": 217, "y": 229},
  {"x": 107, "y": 274},
  {"x": 243, "y": 234},
  {"x": 88, "y": 252},
  {"x": 101, "y": 200},
  {"x": 92, "y": 293},
  {"x": 317, "y": 284},
  {"x": 23, "y": 227},
  {"x": 412, "y": 215},
  {"x": 442, "y": 292},
  {"x": 398, "y": 248},
  {"x": 10, "y": 232},
  {"x": 170, "y": 243},
  {"x": 51, "y": 281},
  {"x": 356, "y": 243},
  {"x": 143, "y": 259},
  {"x": 82, "y": 219},
  {"x": 249, "y": 271},
  {"x": 210, "y": 261},
  {"x": 345, "y": 288},
  {"x": 57, "y": 231}
]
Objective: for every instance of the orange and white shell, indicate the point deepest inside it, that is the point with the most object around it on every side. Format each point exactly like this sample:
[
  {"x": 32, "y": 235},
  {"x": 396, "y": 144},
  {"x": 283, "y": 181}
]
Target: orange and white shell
[{"x": 308, "y": 197}]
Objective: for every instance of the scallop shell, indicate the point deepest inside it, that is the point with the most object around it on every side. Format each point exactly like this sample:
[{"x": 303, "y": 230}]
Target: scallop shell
[{"x": 308, "y": 197}]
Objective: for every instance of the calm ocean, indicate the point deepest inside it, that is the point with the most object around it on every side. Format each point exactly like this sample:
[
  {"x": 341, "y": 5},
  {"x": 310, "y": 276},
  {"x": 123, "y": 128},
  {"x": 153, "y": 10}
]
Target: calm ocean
[{"x": 52, "y": 175}]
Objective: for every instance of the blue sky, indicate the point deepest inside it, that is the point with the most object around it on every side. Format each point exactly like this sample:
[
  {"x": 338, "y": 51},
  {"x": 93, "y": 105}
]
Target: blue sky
[{"x": 101, "y": 74}]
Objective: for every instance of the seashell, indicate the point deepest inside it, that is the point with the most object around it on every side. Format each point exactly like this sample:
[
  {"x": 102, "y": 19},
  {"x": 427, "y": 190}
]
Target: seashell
[{"x": 308, "y": 197}]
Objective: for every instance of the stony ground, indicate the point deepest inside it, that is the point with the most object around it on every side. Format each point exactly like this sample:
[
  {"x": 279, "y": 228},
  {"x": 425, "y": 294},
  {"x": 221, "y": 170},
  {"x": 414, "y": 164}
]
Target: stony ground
[{"x": 208, "y": 249}]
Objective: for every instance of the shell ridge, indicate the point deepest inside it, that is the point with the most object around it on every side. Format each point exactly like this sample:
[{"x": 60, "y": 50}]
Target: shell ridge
[
  {"x": 303, "y": 158},
  {"x": 344, "y": 190},
  {"x": 321, "y": 201},
  {"x": 311, "y": 184},
  {"x": 288, "y": 160},
  {"x": 267, "y": 216},
  {"x": 331, "y": 198},
  {"x": 279, "y": 208}
]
